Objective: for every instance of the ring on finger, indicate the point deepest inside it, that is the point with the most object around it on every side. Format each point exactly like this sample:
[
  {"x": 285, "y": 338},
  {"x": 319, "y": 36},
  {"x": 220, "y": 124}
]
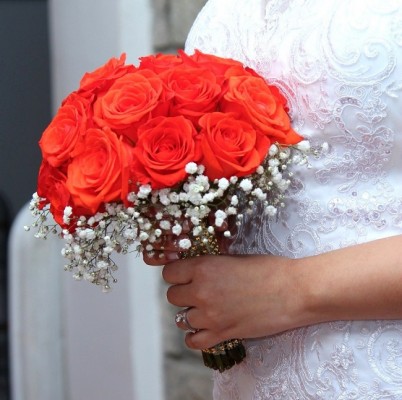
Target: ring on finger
[{"x": 182, "y": 321}]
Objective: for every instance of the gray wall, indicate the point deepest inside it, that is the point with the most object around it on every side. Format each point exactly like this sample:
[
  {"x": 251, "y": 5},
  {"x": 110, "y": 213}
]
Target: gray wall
[
  {"x": 25, "y": 96},
  {"x": 24, "y": 112},
  {"x": 173, "y": 20}
]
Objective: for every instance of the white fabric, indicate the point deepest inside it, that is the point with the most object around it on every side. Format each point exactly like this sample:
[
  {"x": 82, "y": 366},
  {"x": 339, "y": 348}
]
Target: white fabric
[{"x": 339, "y": 63}]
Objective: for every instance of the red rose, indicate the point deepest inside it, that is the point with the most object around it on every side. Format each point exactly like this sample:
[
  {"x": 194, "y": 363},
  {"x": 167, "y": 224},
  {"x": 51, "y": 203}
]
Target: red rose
[
  {"x": 128, "y": 102},
  {"x": 101, "y": 78},
  {"x": 52, "y": 187},
  {"x": 192, "y": 92},
  {"x": 219, "y": 66},
  {"x": 230, "y": 147},
  {"x": 253, "y": 100},
  {"x": 165, "y": 146},
  {"x": 63, "y": 138},
  {"x": 160, "y": 62},
  {"x": 101, "y": 173}
]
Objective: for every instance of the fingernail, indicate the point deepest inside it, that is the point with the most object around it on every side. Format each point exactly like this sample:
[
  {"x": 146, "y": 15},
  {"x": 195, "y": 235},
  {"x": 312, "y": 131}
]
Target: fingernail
[{"x": 172, "y": 256}]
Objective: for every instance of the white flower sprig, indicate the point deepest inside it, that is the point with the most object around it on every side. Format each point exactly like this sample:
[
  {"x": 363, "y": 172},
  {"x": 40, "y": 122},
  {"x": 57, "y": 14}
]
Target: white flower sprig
[{"x": 91, "y": 242}]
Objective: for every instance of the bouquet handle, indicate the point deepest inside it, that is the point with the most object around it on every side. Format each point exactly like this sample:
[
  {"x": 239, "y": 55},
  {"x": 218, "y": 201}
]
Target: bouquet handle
[{"x": 224, "y": 355}]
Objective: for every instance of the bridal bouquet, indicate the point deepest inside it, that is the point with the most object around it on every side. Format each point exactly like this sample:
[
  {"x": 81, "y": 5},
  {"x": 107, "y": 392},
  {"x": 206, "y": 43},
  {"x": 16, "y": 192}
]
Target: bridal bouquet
[{"x": 137, "y": 150}]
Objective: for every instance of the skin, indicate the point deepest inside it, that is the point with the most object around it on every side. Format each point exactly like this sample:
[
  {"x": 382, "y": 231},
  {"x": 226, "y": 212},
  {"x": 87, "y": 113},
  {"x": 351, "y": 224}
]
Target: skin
[{"x": 261, "y": 295}]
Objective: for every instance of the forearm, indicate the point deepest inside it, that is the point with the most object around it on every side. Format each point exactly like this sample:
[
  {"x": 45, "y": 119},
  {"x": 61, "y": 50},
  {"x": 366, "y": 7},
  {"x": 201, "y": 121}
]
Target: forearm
[{"x": 355, "y": 283}]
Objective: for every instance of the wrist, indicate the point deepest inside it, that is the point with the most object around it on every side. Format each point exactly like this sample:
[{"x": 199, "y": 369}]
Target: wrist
[{"x": 308, "y": 292}]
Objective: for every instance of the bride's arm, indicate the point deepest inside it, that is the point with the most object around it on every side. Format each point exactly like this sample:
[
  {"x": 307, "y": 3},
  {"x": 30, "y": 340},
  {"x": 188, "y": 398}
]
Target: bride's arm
[
  {"x": 253, "y": 296},
  {"x": 358, "y": 282}
]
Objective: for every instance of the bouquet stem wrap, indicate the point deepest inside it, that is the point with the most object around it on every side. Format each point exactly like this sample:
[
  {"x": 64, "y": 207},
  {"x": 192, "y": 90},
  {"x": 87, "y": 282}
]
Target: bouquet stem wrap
[{"x": 225, "y": 355}]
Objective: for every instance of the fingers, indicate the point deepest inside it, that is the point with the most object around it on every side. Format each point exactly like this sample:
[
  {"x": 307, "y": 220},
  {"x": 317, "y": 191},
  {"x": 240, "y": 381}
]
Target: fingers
[
  {"x": 163, "y": 251},
  {"x": 203, "y": 339},
  {"x": 166, "y": 248},
  {"x": 169, "y": 242},
  {"x": 158, "y": 258},
  {"x": 178, "y": 273},
  {"x": 189, "y": 320}
]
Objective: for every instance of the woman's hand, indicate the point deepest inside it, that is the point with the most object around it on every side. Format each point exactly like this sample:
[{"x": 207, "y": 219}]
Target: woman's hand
[
  {"x": 235, "y": 296},
  {"x": 252, "y": 296},
  {"x": 229, "y": 296}
]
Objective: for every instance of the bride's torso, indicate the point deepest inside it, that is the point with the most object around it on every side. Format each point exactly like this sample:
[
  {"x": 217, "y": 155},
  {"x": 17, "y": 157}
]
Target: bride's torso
[{"x": 339, "y": 63}]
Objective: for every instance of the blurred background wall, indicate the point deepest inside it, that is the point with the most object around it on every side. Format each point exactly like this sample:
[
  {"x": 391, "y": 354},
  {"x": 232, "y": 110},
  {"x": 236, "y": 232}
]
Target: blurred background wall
[
  {"x": 29, "y": 63},
  {"x": 24, "y": 112}
]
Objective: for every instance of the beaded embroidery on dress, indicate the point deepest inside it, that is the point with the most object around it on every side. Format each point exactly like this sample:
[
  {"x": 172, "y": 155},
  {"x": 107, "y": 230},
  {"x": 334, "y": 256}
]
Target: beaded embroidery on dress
[{"x": 339, "y": 63}]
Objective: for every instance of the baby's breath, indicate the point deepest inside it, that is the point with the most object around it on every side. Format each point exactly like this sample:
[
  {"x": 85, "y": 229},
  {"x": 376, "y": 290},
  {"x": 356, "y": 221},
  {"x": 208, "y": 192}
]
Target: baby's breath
[{"x": 91, "y": 241}]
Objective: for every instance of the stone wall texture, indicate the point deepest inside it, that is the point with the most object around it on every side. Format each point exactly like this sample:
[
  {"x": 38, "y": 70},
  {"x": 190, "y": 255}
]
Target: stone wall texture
[
  {"x": 186, "y": 377},
  {"x": 172, "y": 21}
]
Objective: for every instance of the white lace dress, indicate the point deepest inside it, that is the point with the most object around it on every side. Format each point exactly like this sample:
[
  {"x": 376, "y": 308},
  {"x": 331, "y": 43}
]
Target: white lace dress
[{"x": 339, "y": 63}]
